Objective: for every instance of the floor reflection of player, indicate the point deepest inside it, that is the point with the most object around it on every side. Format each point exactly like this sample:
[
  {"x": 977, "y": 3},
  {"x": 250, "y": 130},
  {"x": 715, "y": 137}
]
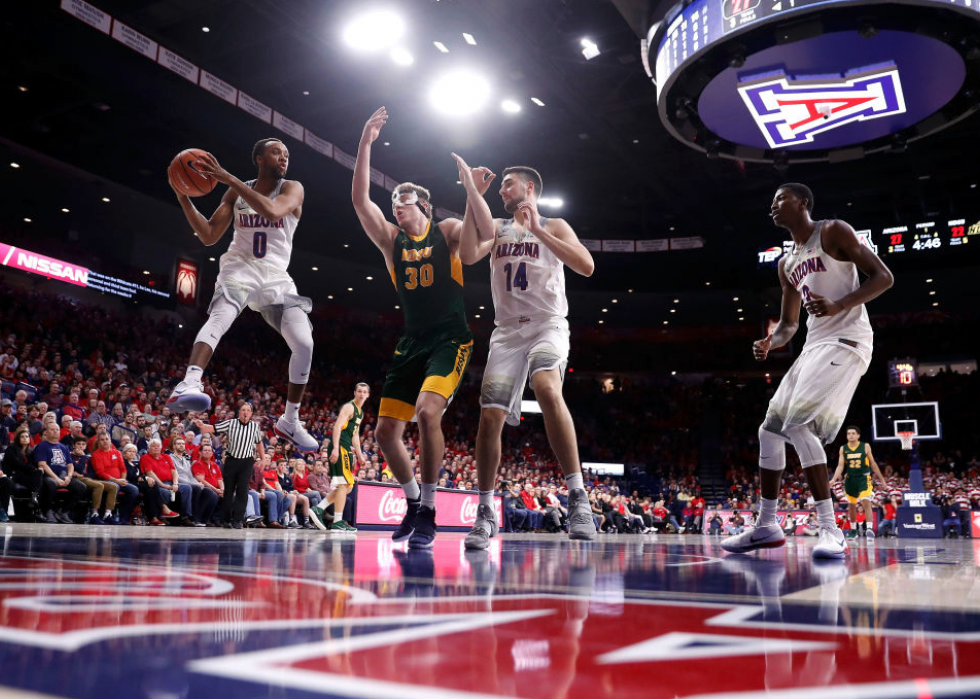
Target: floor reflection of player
[{"x": 821, "y": 272}]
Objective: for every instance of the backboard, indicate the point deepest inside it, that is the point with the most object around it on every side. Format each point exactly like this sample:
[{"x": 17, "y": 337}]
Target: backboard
[{"x": 888, "y": 419}]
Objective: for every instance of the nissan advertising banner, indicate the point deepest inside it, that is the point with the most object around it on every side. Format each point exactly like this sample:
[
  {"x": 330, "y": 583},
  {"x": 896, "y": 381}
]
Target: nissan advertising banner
[{"x": 383, "y": 504}]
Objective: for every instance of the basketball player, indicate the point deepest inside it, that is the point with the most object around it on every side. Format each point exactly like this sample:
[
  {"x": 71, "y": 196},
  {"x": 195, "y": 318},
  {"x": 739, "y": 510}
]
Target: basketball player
[
  {"x": 528, "y": 254},
  {"x": 346, "y": 446},
  {"x": 856, "y": 457},
  {"x": 821, "y": 271},
  {"x": 430, "y": 358},
  {"x": 265, "y": 212}
]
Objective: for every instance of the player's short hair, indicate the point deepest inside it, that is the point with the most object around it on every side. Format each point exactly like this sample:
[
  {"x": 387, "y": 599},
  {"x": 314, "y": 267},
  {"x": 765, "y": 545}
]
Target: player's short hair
[
  {"x": 802, "y": 191},
  {"x": 260, "y": 146},
  {"x": 422, "y": 193},
  {"x": 78, "y": 439},
  {"x": 853, "y": 427},
  {"x": 361, "y": 383},
  {"x": 528, "y": 174}
]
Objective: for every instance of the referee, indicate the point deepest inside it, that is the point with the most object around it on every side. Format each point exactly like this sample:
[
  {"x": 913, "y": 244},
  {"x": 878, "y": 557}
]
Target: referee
[{"x": 244, "y": 437}]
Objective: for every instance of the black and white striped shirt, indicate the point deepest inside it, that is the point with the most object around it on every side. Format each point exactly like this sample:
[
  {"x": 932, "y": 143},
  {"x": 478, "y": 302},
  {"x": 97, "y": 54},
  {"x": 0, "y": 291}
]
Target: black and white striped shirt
[{"x": 242, "y": 438}]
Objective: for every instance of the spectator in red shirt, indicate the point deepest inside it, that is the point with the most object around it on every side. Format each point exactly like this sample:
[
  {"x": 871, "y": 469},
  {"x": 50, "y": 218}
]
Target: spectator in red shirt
[
  {"x": 160, "y": 476},
  {"x": 108, "y": 464},
  {"x": 208, "y": 473},
  {"x": 301, "y": 482},
  {"x": 272, "y": 496}
]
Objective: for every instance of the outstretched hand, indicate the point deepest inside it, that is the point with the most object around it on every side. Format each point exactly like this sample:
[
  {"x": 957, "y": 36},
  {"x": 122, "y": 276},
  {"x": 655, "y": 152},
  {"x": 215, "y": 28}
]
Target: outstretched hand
[
  {"x": 528, "y": 216},
  {"x": 760, "y": 348},
  {"x": 208, "y": 165},
  {"x": 481, "y": 177},
  {"x": 372, "y": 127}
]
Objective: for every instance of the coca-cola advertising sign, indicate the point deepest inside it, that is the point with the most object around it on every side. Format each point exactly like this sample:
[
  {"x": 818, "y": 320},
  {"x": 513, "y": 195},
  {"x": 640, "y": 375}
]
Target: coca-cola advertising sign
[{"x": 383, "y": 504}]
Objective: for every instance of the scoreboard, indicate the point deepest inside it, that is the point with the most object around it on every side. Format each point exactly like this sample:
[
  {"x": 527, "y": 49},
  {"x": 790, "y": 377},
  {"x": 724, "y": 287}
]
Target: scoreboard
[
  {"x": 903, "y": 373},
  {"x": 928, "y": 236},
  {"x": 794, "y": 81}
]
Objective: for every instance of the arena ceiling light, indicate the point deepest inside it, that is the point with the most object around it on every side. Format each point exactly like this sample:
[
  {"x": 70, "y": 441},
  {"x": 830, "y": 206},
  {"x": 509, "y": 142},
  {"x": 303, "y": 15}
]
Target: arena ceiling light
[
  {"x": 555, "y": 202},
  {"x": 510, "y": 106},
  {"x": 374, "y": 31},
  {"x": 401, "y": 56},
  {"x": 441, "y": 46},
  {"x": 537, "y": 101},
  {"x": 468, "y": 38},
  {"x": 589, "y": 49},
  {"x": 459, "y": 93}
]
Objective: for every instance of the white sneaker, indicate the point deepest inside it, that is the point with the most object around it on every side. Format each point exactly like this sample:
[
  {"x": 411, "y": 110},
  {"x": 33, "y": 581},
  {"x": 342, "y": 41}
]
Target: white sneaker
[
  {"x": 832, "y": 543},
  {"x": 870, "y": 536},
  {"x": 189, "y": 395},
  {"x": 297, "y": 434},
  {"x": 769, "y": 536}
]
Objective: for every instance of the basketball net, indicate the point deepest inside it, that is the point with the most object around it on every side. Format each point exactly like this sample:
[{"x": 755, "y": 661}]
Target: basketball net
[{"x": 906, "y": 438}]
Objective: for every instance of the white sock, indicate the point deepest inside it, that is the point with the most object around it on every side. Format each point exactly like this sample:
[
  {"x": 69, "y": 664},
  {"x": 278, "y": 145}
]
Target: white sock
[
  {"x": 193, "y": 374},
  {"x": 411, "y": 490},
  {"x": 825, "y": 513},
  {"x": 292, "y": 519},
  {"x": 767, "y": 512},
  {"x": 292, "y": 412},
  {"x": 486, "y": 498},
  {"x": 574, "y": 481},
  {"x": 429, "y": 495},
  {"x": 337, "y": 516}
]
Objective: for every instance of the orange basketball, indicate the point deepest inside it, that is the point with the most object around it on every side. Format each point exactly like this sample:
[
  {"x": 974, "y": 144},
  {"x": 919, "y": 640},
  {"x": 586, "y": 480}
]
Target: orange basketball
[{"x": 185, "y": 176}]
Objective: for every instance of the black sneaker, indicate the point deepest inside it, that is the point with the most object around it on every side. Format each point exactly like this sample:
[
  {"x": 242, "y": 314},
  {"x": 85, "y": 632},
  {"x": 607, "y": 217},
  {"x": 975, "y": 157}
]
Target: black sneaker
[
  {"x": 407, "y": 527},
  {"x": 425, "y": 529}
]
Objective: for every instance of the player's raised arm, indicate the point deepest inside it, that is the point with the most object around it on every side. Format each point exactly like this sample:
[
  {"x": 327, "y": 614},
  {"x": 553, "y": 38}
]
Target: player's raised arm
[
  {"x": 840, "y": 240},
  {"x": 558, "y": 237},
  {"x": 369, "y": 214},
  {"x": 209, "y": 231},
  {"x": 478, "y": 228}
]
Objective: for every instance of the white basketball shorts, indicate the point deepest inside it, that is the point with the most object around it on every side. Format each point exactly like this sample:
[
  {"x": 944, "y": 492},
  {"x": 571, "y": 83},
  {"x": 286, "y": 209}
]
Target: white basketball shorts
[
  {"x": 517, "y": 352},
  {"x": 817, "y": 391},
  {"x": 256, "y": 284}
]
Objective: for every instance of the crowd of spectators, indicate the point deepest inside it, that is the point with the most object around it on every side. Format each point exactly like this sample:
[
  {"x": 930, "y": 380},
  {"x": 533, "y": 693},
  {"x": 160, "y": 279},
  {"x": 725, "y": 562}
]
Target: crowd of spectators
[{"x": 94, "y": 379}]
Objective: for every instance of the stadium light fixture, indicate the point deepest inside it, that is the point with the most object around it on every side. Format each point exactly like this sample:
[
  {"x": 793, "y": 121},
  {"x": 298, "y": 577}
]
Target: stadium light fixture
[
  {"x": 555, "y": 202},
  {"x": 589, "y": 49},
  {"x": 374, "y": 31},
  {"x": 459, "y": 93},
  {"x": 401, "y": 56}
]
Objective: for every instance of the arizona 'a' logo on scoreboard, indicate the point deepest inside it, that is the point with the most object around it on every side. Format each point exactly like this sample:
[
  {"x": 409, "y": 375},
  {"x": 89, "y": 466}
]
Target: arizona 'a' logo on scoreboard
[{"x": 793, "y": 110}]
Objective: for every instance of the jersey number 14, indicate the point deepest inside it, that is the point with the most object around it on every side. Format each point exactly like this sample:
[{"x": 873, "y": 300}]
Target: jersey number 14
[{"x": 516, "y": 279}]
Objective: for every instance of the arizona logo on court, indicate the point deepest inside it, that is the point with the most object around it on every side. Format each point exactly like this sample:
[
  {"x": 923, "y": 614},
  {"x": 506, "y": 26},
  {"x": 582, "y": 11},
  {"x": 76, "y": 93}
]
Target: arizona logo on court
[{"x": 791, "y": 111}]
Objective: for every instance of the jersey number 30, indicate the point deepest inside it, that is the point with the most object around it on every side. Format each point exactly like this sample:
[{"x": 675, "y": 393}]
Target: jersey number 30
[
  {"x": 519, "y": 279},
  {"x": 421, "y": 275},
  {"x": 259, "y": 243}
]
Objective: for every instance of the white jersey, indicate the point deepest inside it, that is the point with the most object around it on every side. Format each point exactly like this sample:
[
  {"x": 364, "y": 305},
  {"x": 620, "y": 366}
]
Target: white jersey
[
  {"x": 527, "y": 279},
  {"x": 258, "y": 238},
  {"x": 811, "y": 270}
]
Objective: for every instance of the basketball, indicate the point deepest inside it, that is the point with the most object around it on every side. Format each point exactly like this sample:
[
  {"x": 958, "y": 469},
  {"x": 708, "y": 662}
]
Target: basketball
[{"x": 183, "y": 173}]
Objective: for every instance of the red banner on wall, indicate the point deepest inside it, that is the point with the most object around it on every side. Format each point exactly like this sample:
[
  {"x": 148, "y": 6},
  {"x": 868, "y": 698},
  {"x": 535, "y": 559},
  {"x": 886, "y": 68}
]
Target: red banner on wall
[{"x": 188, "y": 279}]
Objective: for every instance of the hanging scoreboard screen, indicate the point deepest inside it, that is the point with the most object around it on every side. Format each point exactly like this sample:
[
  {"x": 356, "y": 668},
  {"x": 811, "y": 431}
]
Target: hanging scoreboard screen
[
  {"x": 928, "y": 236},
  {"x": 813, "y": 80}
]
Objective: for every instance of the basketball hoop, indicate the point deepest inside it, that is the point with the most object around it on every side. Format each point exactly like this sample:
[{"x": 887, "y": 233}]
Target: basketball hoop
[{"x": 906, "y": 438}]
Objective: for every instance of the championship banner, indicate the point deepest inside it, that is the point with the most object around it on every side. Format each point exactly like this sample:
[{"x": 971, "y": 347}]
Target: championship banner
[
  {"x": 618, "y": 245},
  {"x": 217, "y": 86},
  {"x": 384, "y": 505},
  {"x": 134, "y": 40},
  {"x": 254, "y": 107},
  {"x": 188, "y": 280},
  {"x": 89, "y": 14},
  {"x": 288, "y": 125},
  {"x": 181, "y": 66}
]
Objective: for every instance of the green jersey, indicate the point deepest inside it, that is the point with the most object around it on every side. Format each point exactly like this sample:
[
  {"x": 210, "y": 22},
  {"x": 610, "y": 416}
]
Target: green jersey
[
  {"x": 857, "y": 469},
  {"x": 350, "y": 428},
  {"x": 429, "y": 281}
]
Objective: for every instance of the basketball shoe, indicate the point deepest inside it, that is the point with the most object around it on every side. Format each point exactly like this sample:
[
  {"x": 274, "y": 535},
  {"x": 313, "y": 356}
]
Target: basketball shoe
[
  {"x": 297, "y": 434},
  {"x": 407, "y": 527},
  {"x": 768, "y": 536},
  {"x": 318, "y": 515},
  {"x": 580, "y": 522},
  {"x": 484, "y": 528},
  {"x": 425, "y": 529},
  {"x": 189, "y": 395},
  {"x": 831, "y": 543}
]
